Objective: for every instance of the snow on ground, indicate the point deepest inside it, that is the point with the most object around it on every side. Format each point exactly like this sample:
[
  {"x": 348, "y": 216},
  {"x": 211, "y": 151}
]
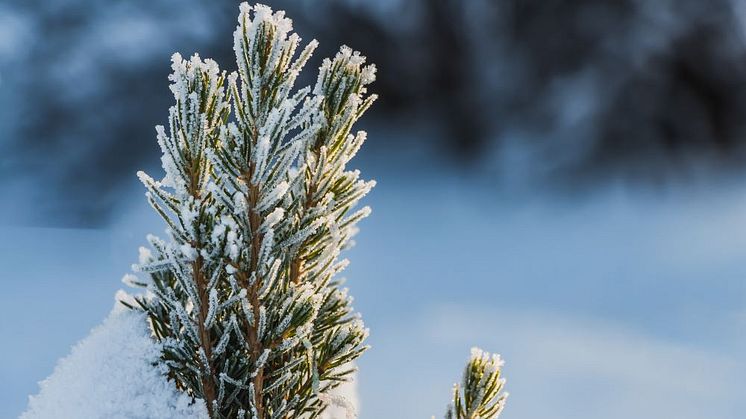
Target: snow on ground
[
  {"x": 110, "y": 375},
  {"x": 615, "y": 305}
]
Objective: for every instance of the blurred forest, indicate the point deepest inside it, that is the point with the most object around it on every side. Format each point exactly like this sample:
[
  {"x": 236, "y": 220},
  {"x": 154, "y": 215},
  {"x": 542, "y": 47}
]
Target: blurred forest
[{"x": 577, "y": 91}]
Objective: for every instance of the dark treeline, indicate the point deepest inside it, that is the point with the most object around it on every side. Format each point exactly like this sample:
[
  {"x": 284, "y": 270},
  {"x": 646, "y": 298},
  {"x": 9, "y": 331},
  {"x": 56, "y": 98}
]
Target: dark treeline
[{"x": 592, "y": 87}]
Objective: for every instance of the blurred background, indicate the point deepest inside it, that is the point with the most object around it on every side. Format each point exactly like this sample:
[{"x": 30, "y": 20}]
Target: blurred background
[{"x": 562, "y": 182}]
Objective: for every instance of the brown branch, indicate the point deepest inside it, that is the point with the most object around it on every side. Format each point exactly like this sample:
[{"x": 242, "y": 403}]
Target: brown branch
[
  {"x": 252, "y": 332},
  {"x": 208, "y": 385}
]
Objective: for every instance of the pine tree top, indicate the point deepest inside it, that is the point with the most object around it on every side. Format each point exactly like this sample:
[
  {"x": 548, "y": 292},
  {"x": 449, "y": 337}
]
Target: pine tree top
[{"x": 259, "y": 202}]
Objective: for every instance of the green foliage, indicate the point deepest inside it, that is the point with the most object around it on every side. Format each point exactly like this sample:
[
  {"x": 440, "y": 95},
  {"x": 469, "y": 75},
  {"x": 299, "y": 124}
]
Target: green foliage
[
  {"x": 245, "y": 293},
  {"x": 480, "y": 394}
]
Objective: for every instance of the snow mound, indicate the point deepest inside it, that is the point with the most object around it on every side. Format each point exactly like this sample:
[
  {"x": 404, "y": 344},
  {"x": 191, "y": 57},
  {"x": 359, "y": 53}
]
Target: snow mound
[
  {"x": 342, "y": 401},
  {"x": 111, "y": 375}
]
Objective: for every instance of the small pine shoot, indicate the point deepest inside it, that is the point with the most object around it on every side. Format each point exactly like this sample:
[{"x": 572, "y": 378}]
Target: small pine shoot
[
  {"x": 480, "y": 395},
  {"x": 259, "y": 203}
]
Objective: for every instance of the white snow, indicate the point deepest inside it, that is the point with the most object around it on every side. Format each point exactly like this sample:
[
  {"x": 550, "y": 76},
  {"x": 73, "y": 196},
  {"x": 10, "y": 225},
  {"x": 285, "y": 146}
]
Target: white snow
[
  {"x": 113, "y": 374},
  {"x": 343, "y": 401}
]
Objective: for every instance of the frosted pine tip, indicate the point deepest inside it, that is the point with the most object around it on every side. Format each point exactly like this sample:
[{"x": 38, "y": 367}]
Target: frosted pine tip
[
  {"x": 348, "y": 54},
  {"x": 176, "y": 58},
  {"x": 476, "y": 353},
  {"x": 493, "y": 362},
  {"x": 244, "y": 7},
  {"x": 194, "y": 60},
  {"x": 369, "y": 74},
  {"x": 263, "y": 13}
]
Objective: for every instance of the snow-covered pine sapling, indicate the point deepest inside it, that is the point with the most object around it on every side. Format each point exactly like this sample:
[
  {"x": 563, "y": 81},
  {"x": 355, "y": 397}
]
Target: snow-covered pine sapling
[
  {"x": 244, "y": 292},
  {"x": 259, "y": 203},
  {"x": 480, "y": 395}
]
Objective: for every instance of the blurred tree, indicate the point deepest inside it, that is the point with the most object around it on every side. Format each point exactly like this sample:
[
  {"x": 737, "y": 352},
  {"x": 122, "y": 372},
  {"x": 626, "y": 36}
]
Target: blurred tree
[{"x": 612, "y": 87}]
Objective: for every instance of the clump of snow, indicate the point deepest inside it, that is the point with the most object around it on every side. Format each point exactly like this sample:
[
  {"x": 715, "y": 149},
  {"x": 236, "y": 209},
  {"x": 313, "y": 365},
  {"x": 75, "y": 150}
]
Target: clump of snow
[
  {"x": 113, "y": 374},
  {"x": 342, "y": 401}
]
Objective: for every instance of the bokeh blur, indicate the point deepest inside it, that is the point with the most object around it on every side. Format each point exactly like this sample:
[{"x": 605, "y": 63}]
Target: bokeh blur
[{"x": 562, "y": 182}]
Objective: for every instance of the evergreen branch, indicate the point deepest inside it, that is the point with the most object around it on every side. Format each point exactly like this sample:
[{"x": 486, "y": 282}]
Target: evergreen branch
[{"x": 480, "y": 396}]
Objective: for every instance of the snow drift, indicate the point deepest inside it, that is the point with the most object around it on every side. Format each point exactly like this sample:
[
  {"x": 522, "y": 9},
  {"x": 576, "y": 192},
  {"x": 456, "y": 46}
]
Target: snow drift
[{"x": 113, "y": 373}]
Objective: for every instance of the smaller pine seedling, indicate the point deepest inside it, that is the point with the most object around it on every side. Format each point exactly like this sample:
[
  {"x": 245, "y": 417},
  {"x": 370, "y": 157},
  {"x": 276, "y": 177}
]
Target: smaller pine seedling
[{"x": 480, "y": 395}]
